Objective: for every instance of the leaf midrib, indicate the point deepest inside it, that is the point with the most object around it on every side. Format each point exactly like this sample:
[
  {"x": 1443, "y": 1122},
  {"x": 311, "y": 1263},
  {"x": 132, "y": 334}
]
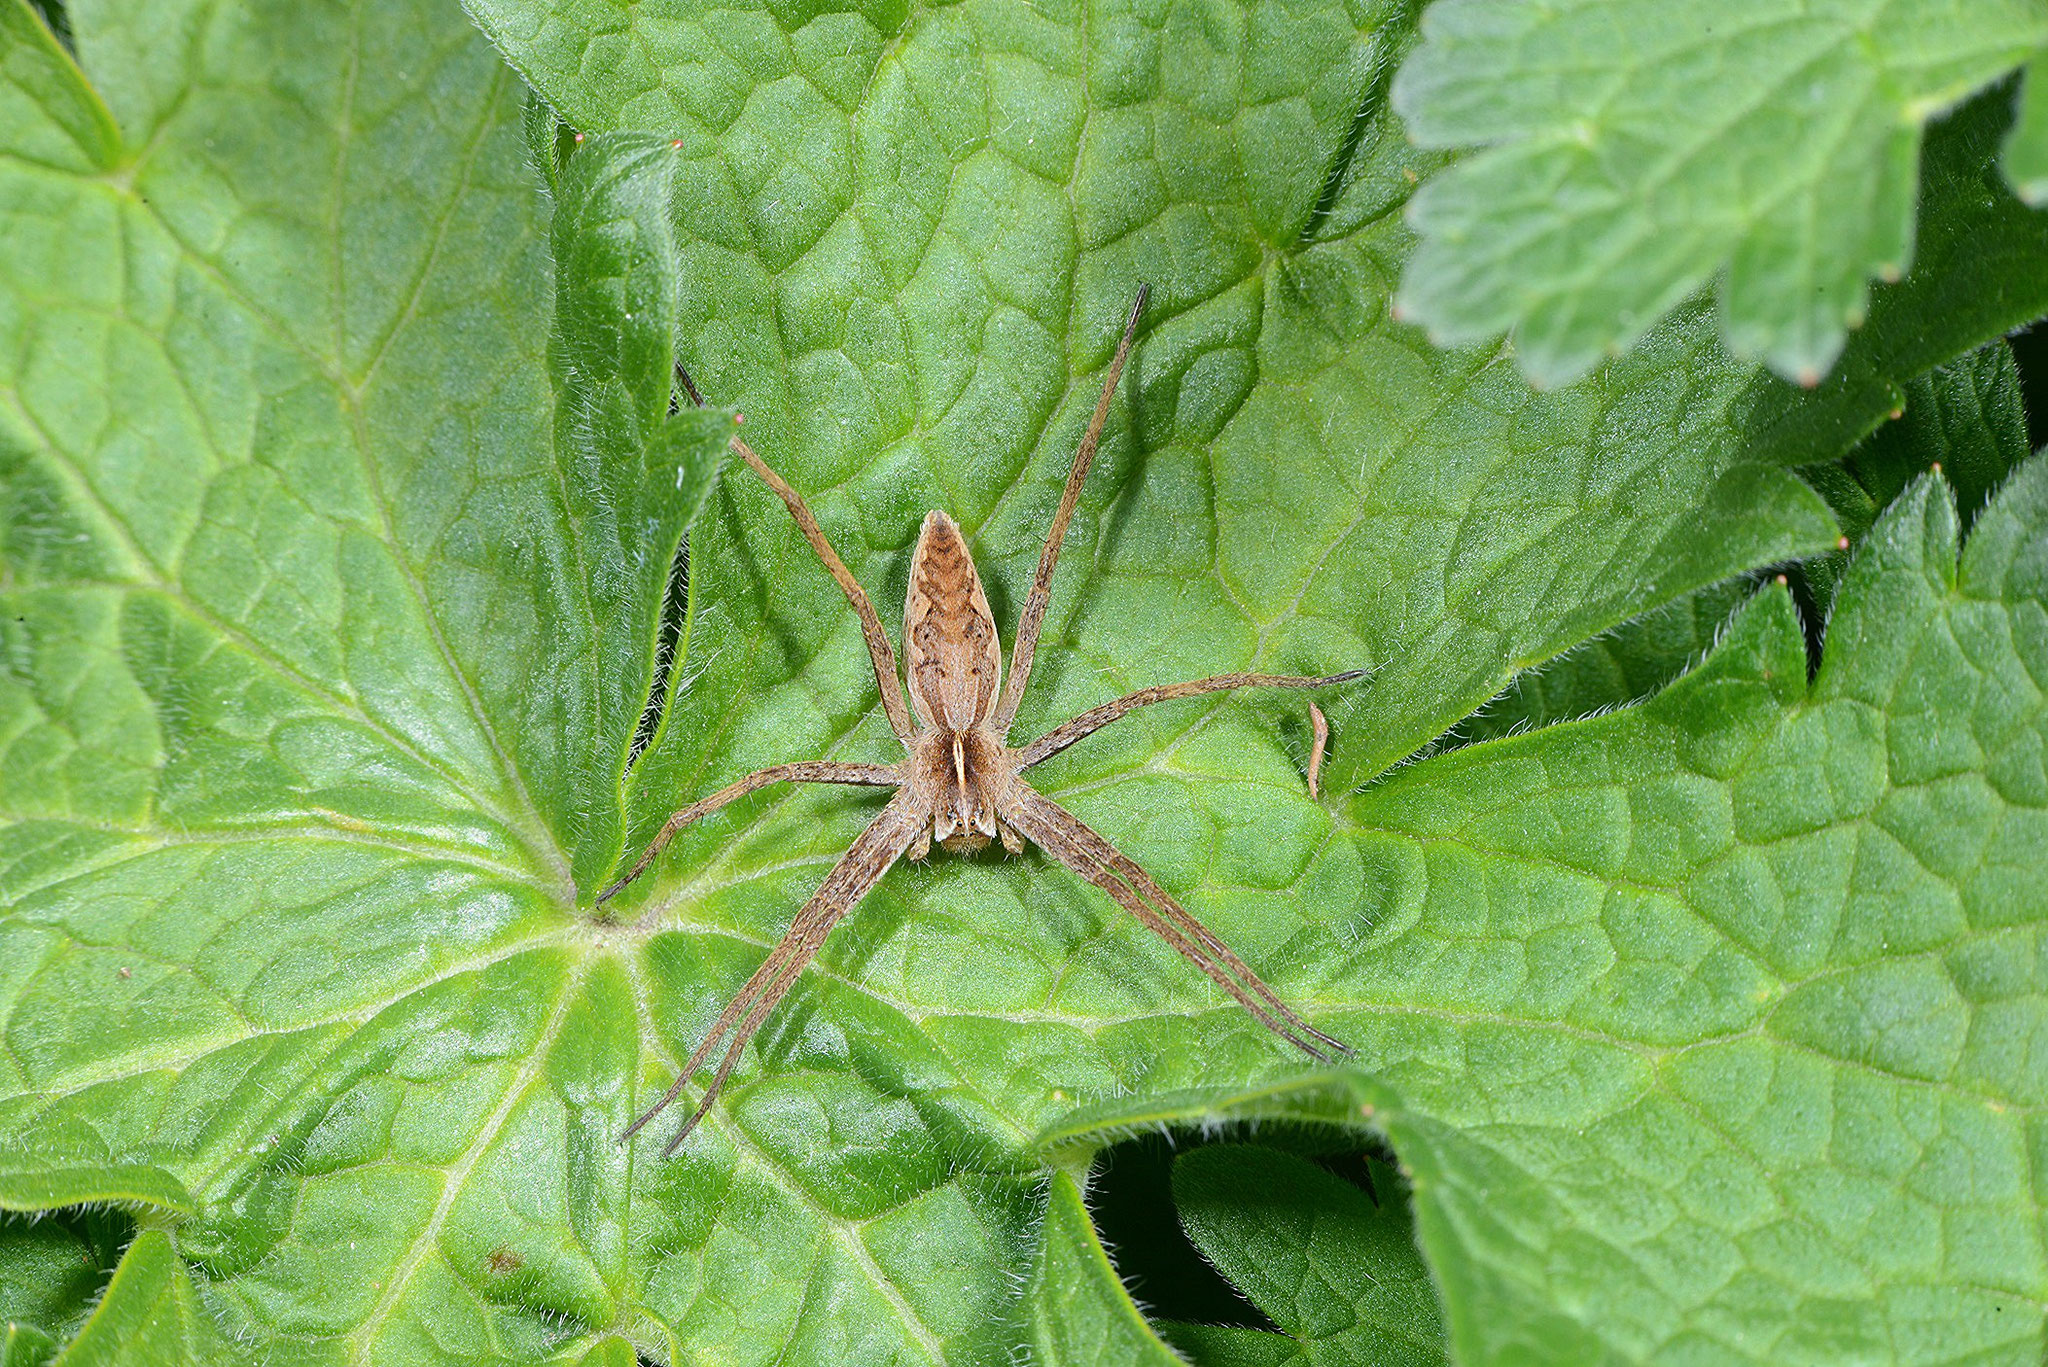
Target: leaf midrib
[{"x": 456, "y": 1175}]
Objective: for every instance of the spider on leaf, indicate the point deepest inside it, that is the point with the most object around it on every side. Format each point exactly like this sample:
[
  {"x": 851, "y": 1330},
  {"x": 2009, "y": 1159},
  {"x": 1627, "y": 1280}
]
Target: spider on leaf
[{"x": 960, "y": 782}]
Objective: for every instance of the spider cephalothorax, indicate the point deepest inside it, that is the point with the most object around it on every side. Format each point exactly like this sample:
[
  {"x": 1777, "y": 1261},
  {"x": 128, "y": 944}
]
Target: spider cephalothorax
[{"x": 961, "y": 783}]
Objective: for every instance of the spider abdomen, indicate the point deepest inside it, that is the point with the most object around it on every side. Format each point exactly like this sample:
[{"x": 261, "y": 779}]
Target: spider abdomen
[{"x": 949, "y": 634}]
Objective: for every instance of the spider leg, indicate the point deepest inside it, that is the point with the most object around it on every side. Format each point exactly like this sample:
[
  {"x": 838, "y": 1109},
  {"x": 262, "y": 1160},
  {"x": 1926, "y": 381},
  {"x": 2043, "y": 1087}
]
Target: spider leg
[
  {"x": 804, "y": 771},
  {"x": 1068, "y": 839},
  {"x": 1095, "y": 718},
  {"x": 1026, "y": 644},
  {"x": 856, "y": 873},
  {"x": 880, "y": 651},
  {"x": 765, "y": 1003}
]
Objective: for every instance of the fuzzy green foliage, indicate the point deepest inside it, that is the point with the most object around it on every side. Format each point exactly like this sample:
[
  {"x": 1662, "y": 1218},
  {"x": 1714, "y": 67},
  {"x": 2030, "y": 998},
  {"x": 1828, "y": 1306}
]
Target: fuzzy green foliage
[
  {"x": 1335, "y": 1268},
  {"x": 1632, "y": 151},
  {"x": 341, "y": 497}
]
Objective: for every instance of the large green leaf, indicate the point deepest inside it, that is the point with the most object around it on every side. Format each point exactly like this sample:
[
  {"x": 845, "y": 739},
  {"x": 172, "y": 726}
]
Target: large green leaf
[
  {"x": 891, "y": 281},
  {"x": 1633, "y": 150},
  {"x": 1739, "y": 996},
  {"x": 341, "y": 500}
]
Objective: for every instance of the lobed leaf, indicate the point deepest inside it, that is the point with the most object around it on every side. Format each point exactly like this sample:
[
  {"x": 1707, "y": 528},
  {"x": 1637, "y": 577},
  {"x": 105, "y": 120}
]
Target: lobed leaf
[
  {"x": 1629, "y": 664},
  {"x": 1736, "y": 992},
  {"x": 1966, "y": 418},
  {"x": 1980, "y": 271},
  {"x": 1631, "y": 152}
]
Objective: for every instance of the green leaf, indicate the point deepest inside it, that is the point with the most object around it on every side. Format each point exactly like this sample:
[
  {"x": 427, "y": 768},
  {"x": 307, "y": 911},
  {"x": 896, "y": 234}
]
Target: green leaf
[
  {"x": 42, "y": 1180},
  {"x": 1079, "y": 1311},
  {"x": 1737, "y": 995},
  {"x": 1231, "y": 1345},
  {"x": 341, "y": 508},
  {"x": 1336, "y": 1269},
  {"x": 1967, "y": 418},
  {"x": 636, "y": 477},
  {"x": 150, "y": 1313},
  {"x": 1320, "y": 1113},
  {"x": 1980, "y": 271},
  {"x": 51, "y": 1271},
  {"x": 612, "y": 1352},
  {"x": 2026, "y": 149},
  {"x": 1626, "y": 665},
  {"x": 54, "y": 14},
  {"x": 929, "y": 235},
  {"x": 23, "y": 1345},
  {"x": 1337, "y": 1098},
  {"x": 1632, "y": 151},
  {"x": 54, "y": 116}
]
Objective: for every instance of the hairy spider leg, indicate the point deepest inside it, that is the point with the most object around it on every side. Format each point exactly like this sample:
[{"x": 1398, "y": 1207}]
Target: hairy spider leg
[
  {"x": 1068, "y": 839},
  {"x": 906, "y": 822},
  {"x": 870, "y": 856},
  {"x": 803, "y": 771},
  {"x": 1025, "y": 646},
  {"x": 880, "y": 652},
  {"x": 1095, "y": 718}
]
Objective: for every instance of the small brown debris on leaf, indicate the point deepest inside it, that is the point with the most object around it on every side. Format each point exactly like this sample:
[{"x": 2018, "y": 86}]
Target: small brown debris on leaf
[{"x": 1315, "y": 753}]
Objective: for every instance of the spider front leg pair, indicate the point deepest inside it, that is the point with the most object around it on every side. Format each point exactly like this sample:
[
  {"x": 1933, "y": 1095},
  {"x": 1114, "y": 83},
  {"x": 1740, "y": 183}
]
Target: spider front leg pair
[{"x": 960, "y": 782}]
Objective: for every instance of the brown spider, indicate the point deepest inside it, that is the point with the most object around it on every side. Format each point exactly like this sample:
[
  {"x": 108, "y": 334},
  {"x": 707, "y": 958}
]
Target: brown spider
[{"x": 961, "y": 784}]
